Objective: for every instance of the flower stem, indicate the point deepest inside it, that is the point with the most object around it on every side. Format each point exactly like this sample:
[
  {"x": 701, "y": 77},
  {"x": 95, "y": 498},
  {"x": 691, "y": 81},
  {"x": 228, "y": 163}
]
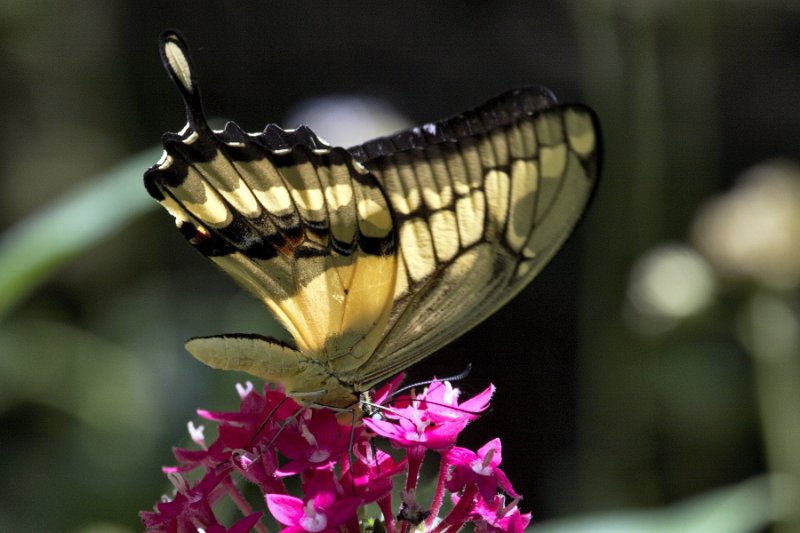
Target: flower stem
[
  {"x": 415, "y": 457},
  {"x": 772, "y": 334},
  {"x": 242, "y": 503},
  {"x": 460, "y": 513},
  {"x": 385, "y": 505},
  {"x": 438, "y": 495}
]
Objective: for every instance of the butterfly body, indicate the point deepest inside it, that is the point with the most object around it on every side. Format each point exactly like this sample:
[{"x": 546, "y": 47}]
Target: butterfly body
[{"x": 375, "y": 256}]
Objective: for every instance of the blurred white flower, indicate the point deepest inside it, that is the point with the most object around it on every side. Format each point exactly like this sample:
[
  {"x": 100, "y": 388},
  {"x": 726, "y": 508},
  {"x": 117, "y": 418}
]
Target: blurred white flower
[
  {"x": 669, "y": 283},
  {"x": 347, "y": 120},
  {"x": 754, "y": 230}
]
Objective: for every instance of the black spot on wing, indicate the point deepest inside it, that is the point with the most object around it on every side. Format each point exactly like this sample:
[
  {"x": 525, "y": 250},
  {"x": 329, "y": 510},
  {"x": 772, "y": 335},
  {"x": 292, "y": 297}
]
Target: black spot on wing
[
  {"x": 207, "y": 244},
  {"x": 378, "y": 245}
]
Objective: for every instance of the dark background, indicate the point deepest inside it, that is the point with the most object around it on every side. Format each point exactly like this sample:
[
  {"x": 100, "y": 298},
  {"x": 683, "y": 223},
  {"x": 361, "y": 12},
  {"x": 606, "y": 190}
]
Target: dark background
[{"x": 596, "y": 412}]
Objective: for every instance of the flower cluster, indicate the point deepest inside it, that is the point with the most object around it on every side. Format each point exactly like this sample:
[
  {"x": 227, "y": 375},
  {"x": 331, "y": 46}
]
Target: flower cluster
[{"x": 276, "y": 445}]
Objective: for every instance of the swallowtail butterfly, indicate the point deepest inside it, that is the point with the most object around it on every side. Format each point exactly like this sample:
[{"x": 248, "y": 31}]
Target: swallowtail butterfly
[{"x": 374, "y": 256}]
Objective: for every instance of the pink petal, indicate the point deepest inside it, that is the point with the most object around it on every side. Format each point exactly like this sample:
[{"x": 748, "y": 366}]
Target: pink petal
[
  {"x": 479, "y": 402},
  {"x": 436, "y": 392},
  {"x": 458, "y": 478},
  {"x": 460, "y": 456},
  {"x": 321, "y": 488},
  {"x": 383, "y": 392},
  {"x": 340, "y": 511},
  {"x": 287, "y": 510},
  {"x": 291, "y": 468},
  {"x": 447, "y": 431},
  {"x": 382, "y": 427},
  {"x": 296, "y": 529},
  {"x": 293, "y": 445},
  {"x": 517, "y": 522},
  {"x": 323, "y": 426},
  {"x": 504, "y": 483},
  {"x": 245, "y": 524},
  {"x": 487, "y": 487},
  {"x": 495, "y": 445}
]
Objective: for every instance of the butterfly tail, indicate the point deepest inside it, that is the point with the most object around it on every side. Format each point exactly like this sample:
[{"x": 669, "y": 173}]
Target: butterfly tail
[{"x": 178, "y": 63}]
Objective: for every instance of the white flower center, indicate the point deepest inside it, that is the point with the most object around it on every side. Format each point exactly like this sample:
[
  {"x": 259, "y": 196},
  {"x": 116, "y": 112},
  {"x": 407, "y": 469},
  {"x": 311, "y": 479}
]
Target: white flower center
[
  {"x": 483, "y": 467},
  {"x": 420, "y": 424},
  {"x": 450, "y": 394},
  {"x": 313, "y": 521},
  {"x": 319, "y": 455},
  {"x": 307, "y": 435},
  {"x": 197, "y": 433},
  {"x": 479, "y": 468},
  {"x": 415, "y": 437},
  {"x": 244, "y": 390}
]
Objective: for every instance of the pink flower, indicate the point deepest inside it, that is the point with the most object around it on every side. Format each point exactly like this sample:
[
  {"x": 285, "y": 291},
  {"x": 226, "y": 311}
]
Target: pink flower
[
  {"x": 432, "y": 419},
  {"x": 479, "y": 469},
  {"x": 413, "y": 427},
  {"x": 383, "y": 394},
  {"x": 321, "y": 512},
  {"x": 370, "y": 475},
  {"x": 271, "y": 429},
  {"x": 259, "y": 467},
  {"x": 189, "y": 509},
  {"x": 242, "y": 526},
  {"x": 496, "y": 517},
  {"x": 442, "y": 402},
  {"x": 258, "y": 417},
  {"x": 190, "y": 459},
  {"x": 316, "y": 441}
]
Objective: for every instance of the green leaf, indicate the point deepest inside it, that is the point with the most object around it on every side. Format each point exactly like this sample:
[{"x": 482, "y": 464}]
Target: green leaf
[
  {"x": 35, "y": 247},
  {"x": 739, "y": 508}
]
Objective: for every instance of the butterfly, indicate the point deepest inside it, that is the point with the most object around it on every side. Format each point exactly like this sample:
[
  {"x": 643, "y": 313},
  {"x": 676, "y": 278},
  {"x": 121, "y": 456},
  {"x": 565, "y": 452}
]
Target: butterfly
[{"x": 375, "y": 256}]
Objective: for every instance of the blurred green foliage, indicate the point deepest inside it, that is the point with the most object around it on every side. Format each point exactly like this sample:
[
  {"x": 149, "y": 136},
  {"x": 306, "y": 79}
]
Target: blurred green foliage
[{"x": 671, "y": 424}]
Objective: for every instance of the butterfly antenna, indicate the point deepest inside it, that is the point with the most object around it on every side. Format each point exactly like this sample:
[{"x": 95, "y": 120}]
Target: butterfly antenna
[
  {"x": 351, "y": 454},
  {"x": 375, "y": 407},
  {"x": 294, "y": 416},
  {"x": 267, "y": 419},
  {"x": 458, "y": 377},
  {"x": 451, "y": 407},
  {"x": 303, "y": 408},
  {"x": 387, "y": 409},
  {"x": 178, "y": 63}
]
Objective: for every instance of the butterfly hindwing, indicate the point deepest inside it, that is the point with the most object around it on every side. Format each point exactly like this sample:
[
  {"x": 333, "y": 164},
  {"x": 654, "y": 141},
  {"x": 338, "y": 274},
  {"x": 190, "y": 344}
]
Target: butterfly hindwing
[
  {"x": 305, "y": 231},
  {"x": 298, "y": 223},
  {"x": 270, "y": 360}
]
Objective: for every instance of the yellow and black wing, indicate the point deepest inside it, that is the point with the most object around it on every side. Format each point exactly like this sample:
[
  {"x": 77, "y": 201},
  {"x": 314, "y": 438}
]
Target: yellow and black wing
[
  {"x": 300, "y": 224},
  {"x": 373, "y": 257},
  {"x": 481, "y": 202}
]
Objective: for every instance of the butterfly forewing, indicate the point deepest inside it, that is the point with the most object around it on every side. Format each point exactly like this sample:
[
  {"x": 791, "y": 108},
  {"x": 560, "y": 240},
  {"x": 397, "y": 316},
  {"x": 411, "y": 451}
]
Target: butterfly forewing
[
  {"x": 376, "y": 256},
  {"x": 482, "y": 201}
]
